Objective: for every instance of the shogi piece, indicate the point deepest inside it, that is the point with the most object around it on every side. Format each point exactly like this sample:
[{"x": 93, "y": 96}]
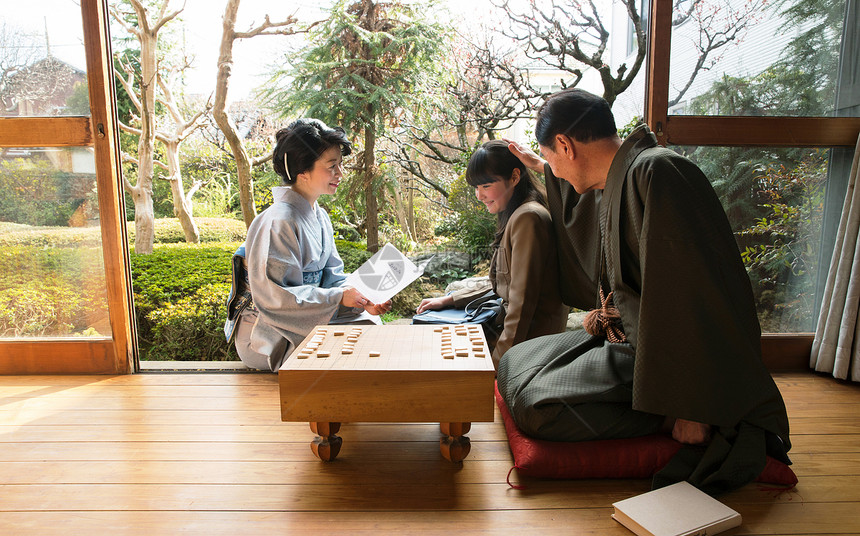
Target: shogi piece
[{"x": 411, "y": 379}]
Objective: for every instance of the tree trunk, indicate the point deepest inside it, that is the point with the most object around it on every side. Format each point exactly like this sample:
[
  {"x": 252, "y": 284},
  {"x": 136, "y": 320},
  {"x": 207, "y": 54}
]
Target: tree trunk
[
  {"x": 410, "y": 207},
  {"x": 402, "y": 215},
  {"x": 182, "y": 208},
  {"x": 225, "y": 123},
  {"x": 144, "y": 213},
  {"x": 144, "y": 219},
  {"x": 371, "y": 206}
]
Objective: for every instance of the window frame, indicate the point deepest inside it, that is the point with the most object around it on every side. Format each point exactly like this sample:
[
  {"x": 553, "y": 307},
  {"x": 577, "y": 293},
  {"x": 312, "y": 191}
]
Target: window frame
[{"x": 780, "y": 350}]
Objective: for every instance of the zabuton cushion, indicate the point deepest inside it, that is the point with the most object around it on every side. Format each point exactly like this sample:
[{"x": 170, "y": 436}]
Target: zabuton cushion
[{"x": 637, "y": 457}]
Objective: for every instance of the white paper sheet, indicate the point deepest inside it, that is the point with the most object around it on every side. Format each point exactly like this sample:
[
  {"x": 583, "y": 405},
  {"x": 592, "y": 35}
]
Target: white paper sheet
[{"x": 385, "y": 274}]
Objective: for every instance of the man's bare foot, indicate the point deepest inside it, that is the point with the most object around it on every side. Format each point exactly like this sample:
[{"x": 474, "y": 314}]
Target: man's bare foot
[{"x": 690, "y": 432}]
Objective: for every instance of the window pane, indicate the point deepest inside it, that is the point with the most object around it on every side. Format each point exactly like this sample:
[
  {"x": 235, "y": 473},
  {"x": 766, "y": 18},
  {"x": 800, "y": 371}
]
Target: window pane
[
  {"x": 629, "y": 105},
  {"x": 42, "y": 60},
  {"x": 756, "y": 57},
  {"x": 775, "y": 200},
  {"x": 53, "y": 277}
]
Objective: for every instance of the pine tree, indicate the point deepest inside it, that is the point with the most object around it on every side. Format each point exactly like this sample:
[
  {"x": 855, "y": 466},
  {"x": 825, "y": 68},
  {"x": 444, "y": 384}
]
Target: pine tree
[{"x": 359, "y": 68}]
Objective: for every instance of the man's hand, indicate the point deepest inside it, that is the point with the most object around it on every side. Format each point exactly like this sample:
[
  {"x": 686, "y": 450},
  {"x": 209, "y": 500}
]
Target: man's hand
[
  {"x": 526, "y": 156},
  {"x": 690, "y": 432}
]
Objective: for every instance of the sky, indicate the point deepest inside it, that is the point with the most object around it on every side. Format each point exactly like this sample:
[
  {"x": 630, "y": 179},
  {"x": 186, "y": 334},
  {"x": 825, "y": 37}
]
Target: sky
[
  {"x": 66, "y": 39},
  {"x": 202, "y": 34},
  {"x": 254, "y": 57}
]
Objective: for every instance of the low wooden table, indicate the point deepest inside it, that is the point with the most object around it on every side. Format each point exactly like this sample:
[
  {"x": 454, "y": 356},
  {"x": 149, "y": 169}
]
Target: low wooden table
[{"x": 401, "y": 373}]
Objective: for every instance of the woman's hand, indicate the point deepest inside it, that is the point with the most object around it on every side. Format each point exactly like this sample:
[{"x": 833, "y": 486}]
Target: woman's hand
[
  {"x": 526, "y": 156},
  {"x": 378, "y": 308},
  {"x": 353, "y": 298},
  {"x": 442, "y": 302}
]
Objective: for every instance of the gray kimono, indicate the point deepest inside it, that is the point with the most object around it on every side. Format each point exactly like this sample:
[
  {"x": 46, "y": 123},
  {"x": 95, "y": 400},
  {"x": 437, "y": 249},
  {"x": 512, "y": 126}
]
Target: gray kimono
[{"x": 294, "y": 274}]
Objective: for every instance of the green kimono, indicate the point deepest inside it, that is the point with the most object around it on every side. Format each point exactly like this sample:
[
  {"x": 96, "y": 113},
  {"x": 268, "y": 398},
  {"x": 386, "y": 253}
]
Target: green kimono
[{"x": 687, "y": 310}]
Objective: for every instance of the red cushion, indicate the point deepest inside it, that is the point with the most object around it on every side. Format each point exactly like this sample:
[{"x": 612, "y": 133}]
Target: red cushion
[{"x": 636, "y": 457}]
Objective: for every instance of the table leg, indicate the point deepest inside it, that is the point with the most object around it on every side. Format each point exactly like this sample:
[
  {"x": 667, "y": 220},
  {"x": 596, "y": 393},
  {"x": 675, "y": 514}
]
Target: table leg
[
  {"x": 455, "y": 446},
  {"x": 326, "y": 445}
]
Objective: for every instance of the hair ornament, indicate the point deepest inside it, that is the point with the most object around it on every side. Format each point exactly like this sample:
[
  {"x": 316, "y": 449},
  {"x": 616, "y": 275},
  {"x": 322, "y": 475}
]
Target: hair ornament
[{"x": 287, "y": 168}]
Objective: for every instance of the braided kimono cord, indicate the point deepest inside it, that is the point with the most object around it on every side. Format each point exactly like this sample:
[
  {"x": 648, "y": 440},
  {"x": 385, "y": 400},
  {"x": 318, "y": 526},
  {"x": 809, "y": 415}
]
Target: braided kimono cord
[{"x": 606, "y": 321}]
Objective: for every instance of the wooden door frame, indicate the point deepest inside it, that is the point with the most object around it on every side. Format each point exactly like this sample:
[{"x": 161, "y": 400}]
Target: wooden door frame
[{"x": 116, "y": 354}]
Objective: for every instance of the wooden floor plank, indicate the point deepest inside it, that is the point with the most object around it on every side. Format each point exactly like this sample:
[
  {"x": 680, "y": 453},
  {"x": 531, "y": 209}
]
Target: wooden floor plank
[
  {"x": 445, "y": 494},
  {"x": 305, "y": 468},
  {"x": 574, "y": 522},
  {"x": 184, "y": 379},
  {"x": 805, "y": 464},
  {"x": 821, "y": 424},
  {"x": 393, "y": 432},
  {"x": 780, "y": 519},
  {"x": 370, "y": 451},
  {"x": 207, "y": 454}
]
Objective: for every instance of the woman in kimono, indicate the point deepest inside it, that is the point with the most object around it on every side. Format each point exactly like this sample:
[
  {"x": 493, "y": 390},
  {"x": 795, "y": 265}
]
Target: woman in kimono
[
  {"x": 524, "y": 266},
  {"x": 294, "y": 273}
]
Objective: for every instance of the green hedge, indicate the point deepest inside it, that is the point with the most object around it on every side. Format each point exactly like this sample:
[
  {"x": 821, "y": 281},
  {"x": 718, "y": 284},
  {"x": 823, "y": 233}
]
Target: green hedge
[
  {"x": 47, "y": 291},
  {"x": 180, "y": 291},
  {"x": 52, "y": 283},
  {"x": 192, "y": 328},
  {"x": 49, "y": 237},
  {"x": 353, "y": 254},
  {"x": 169, "y": 230}
]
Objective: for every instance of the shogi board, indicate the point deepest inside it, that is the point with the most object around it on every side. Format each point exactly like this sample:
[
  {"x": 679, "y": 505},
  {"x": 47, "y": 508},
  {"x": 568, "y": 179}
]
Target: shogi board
[{"x": 401, "y": 373}]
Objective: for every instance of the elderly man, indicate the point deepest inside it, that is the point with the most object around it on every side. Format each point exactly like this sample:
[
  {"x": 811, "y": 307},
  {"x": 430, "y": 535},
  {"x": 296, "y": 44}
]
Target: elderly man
[{"x": 674, "y": 339}]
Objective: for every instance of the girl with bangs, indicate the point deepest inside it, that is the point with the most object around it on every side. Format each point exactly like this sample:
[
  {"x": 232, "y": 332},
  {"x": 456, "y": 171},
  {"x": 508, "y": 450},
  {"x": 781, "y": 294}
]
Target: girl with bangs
[{"x": 524, "y": 265}]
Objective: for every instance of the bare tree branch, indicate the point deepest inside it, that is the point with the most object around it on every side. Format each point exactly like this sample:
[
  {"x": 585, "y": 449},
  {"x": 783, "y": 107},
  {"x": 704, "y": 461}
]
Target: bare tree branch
[
  {"x": 720, "y": 23},
  {"x": 268, "y": 27}
]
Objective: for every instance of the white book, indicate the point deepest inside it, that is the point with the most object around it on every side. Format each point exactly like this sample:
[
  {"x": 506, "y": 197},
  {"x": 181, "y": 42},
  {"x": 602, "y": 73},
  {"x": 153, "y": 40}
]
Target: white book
[{"x": 677, "y": 510}]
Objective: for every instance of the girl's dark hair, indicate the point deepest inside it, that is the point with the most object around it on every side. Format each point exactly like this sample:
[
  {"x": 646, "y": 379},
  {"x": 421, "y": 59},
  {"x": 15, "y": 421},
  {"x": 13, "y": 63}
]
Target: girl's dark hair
[
  {"x": 576, "y": 113},
  {"x": 494, "y": 161},
  {"x": 304, "y": 141}
]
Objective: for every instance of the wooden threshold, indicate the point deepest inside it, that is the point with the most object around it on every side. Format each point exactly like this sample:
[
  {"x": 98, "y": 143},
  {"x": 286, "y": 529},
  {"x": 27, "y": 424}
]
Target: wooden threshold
[{"x": 195, "y": 366}]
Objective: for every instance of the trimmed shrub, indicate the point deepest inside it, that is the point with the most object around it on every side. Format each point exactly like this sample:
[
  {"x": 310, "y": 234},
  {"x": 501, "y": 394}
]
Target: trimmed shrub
[
  {"x": 163, "y": 279},
  {"x": 36, "y": 309},
  {"x": 47, "y": 291},
  {"x": 50, "y": 237},
  {"x": 354, "y": 254},
  {"x": 173, "y": 271},
  {"x": 408, "y": 299},
  {"x": 192, "y": 329},
  {"x": 180, "y": 293},
  {"x": 34, "y": 192},
  {"x": 169, "y": 230}
]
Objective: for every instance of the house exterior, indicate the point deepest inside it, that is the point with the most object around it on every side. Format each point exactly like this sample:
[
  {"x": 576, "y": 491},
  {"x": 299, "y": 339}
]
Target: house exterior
[{"x": 41, "y": 89}]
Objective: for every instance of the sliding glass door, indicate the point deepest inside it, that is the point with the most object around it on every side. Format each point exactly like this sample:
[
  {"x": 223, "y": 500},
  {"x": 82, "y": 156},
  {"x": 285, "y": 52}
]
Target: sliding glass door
[{"x": 64, "y": 302}]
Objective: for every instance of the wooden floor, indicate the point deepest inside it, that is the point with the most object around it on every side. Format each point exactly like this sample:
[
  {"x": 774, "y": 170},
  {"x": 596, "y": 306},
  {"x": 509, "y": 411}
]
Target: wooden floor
[{"x": 206, "y": 453}]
